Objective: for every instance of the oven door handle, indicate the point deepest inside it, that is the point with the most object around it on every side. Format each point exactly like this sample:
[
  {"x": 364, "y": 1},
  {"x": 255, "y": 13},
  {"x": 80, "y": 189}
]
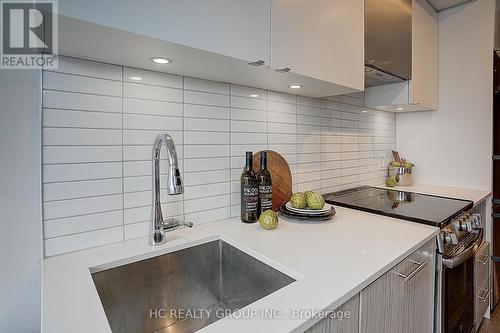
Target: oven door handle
[{"x": 466, "y": 254}]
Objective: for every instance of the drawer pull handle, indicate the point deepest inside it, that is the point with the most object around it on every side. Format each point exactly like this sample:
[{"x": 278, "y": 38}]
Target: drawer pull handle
[
  {"x": 420, "y": 266},
  {"x": 486, "y": 294}
]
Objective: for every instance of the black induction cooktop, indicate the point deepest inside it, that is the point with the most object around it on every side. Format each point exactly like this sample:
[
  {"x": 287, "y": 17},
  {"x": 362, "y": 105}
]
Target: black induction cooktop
[{"x": 421, "y": 208}]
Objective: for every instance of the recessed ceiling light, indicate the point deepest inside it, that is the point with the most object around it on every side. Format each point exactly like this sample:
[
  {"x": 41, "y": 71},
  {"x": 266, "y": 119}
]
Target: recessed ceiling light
[
  {"x": 364, "y": 111},
  {"x": 399, "y": 109},
  {"x": 160, "y": 60},
  {"x": 135, "y": 78},
  {"x": 254, "y": 95},
  {"x": 295, "y": 86}
]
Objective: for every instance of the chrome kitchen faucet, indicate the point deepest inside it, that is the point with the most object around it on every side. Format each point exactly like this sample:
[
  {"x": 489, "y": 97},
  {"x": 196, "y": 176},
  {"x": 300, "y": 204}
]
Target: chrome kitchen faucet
[{"x": 158, "y": 227}]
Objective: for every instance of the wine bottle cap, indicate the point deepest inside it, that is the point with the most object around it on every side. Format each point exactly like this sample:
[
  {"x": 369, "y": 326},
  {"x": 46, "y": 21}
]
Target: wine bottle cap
[{"x": 263, "y": 159}]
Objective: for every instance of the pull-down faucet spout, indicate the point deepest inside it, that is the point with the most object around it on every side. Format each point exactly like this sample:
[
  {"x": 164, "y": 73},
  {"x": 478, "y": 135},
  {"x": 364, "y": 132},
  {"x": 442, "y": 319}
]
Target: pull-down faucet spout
[{"x": 174, "y": 186}]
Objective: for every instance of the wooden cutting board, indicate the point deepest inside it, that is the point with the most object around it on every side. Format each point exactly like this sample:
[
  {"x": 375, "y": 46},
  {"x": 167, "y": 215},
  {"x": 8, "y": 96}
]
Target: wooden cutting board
[{"x": 280, "y": 175}]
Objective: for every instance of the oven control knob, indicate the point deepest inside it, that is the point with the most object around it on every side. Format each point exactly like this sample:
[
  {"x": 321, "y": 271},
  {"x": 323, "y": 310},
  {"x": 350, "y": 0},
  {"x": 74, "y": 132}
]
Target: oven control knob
[
  {"x": 476, "y": 220},
  {"x": 465, "y": 224},
  {"x": 450, "y": 238}
]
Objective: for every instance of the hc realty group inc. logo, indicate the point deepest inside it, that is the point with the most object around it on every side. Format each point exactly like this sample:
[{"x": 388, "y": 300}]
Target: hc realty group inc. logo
[{"x": 29, "y": 34}]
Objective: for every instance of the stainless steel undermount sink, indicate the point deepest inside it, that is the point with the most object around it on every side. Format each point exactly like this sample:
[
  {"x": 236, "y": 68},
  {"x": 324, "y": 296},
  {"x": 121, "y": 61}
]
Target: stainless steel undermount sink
[{"x": 208, "y": 280}]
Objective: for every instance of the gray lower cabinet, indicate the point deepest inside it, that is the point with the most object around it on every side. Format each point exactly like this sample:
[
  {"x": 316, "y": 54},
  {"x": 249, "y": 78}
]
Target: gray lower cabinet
[
  {"x": 337, "y": 322},
  {"x": 402, "y": 300}
]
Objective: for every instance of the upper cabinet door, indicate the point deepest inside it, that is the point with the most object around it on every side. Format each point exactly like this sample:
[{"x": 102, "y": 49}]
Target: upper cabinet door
[
  {"x": 424, "y": 82},
  {"x": 322, "y": 39},
  {"x": 236, "y": 28}
]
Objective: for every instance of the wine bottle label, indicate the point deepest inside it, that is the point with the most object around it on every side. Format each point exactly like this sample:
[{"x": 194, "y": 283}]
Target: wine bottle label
[
  {"x": 265, "y": 197},
  {"x": 250, "y": 198}
]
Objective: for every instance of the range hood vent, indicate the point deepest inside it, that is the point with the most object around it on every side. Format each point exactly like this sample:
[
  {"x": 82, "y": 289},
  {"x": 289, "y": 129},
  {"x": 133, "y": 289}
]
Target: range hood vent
[
  {"x": 388, "y": 34},
  {"x": 376, "y": 77}
]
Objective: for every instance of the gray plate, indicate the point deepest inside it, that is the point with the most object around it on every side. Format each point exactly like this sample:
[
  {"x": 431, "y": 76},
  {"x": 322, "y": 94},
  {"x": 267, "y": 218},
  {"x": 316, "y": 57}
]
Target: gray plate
[{"x": 318, "y": 217}]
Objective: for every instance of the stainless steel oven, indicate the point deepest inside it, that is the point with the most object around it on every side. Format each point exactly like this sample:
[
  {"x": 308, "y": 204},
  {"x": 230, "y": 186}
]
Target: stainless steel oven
[{"x": 455, "y": 282}]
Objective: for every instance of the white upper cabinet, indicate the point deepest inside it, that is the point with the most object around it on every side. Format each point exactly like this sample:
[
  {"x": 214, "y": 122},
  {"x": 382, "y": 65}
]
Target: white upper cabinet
[
  {"x": 420, "y": 93},
  {"x": 323, "y": 39},
  {"x": 424, "y": 80},
  {"x": 235, "y": 28}
]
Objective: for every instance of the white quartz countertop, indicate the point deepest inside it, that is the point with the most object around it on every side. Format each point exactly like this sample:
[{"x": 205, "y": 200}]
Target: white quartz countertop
[
  {"x": 452, "y": 192},
  {"x": 331, "y": 262}
]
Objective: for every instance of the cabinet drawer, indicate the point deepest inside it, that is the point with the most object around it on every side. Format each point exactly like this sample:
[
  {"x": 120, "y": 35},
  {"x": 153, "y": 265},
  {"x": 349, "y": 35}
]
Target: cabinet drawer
[
  {"x": 336, "y": 323},
  {"x": 402, "y": 300},
  {"x": 481, "y": 266},
  {"x": 481, "y": 302}
]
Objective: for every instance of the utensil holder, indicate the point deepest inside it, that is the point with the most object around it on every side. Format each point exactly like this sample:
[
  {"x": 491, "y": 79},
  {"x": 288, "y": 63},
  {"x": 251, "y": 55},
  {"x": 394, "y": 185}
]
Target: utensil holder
[{"x": 403, "y": 175}]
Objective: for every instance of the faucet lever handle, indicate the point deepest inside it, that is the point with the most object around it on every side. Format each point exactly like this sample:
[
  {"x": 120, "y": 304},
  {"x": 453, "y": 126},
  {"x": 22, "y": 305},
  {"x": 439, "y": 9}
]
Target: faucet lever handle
[{"x": 174, "y": 224}]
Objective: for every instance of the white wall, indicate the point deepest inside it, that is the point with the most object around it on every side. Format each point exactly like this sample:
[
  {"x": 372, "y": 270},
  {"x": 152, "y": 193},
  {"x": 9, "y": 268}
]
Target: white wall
[
  {"x": 453, "y": 145},
  {"x": 20, "y": 207}
]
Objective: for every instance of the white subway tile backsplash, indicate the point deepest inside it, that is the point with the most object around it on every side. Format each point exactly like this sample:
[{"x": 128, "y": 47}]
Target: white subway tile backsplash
[
  {"x": 205, "y": 217},
  {"x": 158, "y": 108},
  {"x": 245, "y": 138},
  {"x": 248, "y": 103},
  {"x": 74, "y": 207},
  {"x": 81, "y": 137},
  {"x": 81, "y": 154},
  {"x": 282, "y": 128},
  {"x": 244, "y": 126},
  {"x": 81, "y": 84},
  {"x": 155, "y": 93},
  {"x": 282, "y": 97},
  {"x": 206, "y": 203},
  {"x": 206, "y": 177},
  {"x": 205, "y": 86},
  {"x": 201, "y": 151},
  {"x": 204, "y": 98},
  {"x": 146, "y": 137},
  {"x": 84, "y": 171},
  {"x": 70, "y": 243},
  {"x": 206, "y": 138},
  {"x": 203, "y": 124},
  {"x": 81, "y": 189},
  {"x": 242, "y": 91},
  {"x": 148, "y": 122},
  {"x": 77, "y": 224},
  {"x": 136, "y": 230},
  {"x": 89, "y": 68},
  {"x": 84, "y": 102},
  {"x": 206, "y": 164},
  {"x": 81, "y": 119},
  {"x": 283, "y": 138},
  {"x": 248, "y": 114},
  {"x": 205, "y": 111},
  {"x": 98, "y": 127},
  {"x": 152, "y": 78},
  {"x": 206, "y": 190}
]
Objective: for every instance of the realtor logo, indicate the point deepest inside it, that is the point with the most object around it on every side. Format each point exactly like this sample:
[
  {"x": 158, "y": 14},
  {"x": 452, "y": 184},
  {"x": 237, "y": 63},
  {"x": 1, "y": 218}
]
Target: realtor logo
[{"x": 29, "y": 34}]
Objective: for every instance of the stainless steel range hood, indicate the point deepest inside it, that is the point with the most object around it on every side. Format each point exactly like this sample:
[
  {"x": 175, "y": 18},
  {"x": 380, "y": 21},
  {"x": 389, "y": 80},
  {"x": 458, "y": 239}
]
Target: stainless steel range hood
[
  {"x": 387, "y": 41},
  {"x": 401, "y": 55}
]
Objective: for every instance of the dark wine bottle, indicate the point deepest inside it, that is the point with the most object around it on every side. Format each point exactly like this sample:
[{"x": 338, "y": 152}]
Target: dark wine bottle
[
  {"x": 249, "y": 192},
  {"x": 265, "y": 185}
]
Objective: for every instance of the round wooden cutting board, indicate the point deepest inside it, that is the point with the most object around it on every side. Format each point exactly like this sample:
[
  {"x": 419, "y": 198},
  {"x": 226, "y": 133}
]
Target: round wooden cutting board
[{"x": 281, "y": 176}]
